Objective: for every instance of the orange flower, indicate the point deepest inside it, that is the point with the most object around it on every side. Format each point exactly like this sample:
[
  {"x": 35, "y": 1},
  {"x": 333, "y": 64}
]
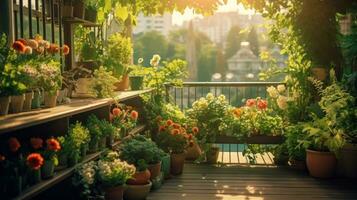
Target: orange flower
[
  {"x": 116, "y": 112},
  {"x": 237, "y": 112},
  {"x": 65, "y": 50},
  {"x": 23, "y": 41},
  {"x": 54, "y": 48},
  {"x": 262, "y": 104},
  {"x": 134, "y": 115},
  {"x": 53, "y": 145},
  {"x": 162, "y": 128},
  {"x": 169, "y": 122},
  {"x": 2, "y": 158},
  {"x": 36, "y": 143},
  {"x": 189, "y": 136},
  {"x": 250, "y": 102},
  {"x": 14, "y": 144},
  {"x": 175, "y": 131},
  {"x": 34, "y": 161},
  {"x": 32, "y": 43},
  {"x": 177, "y": 126},
  {"x": 19, "y": 46},
  {"x": 195, "y": 130}
]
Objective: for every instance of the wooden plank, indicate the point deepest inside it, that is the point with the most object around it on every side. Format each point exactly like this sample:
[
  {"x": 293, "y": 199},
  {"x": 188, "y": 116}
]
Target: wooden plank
[{"x": 262, "y": 139}]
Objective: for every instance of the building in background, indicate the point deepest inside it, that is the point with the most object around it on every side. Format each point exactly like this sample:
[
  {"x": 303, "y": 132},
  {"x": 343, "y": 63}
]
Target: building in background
[{"x": 160, "y": 23}]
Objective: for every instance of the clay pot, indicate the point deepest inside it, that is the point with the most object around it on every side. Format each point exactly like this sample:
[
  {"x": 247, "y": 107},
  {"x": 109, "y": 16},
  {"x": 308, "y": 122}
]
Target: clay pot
[
  {"x": 28, "y": 101},
  {"x": 299, "y": 165},
  {"x": 137, "y": 192},
  {"x": 17, "y": 103},
  {"x": 348, "y": 161},
  {"x": 4, "y": 105},
  {"x": 321, "y": 164},
  {"x": 177, "y": 163},
  {"x": 114, "y": 193},
  {"x": 47, "y": 170},
  {"x": 319, "y": 73},
  {"x": 50, "y": 99},
  {"x": 155, "y": 170},
  {"x": 123, "y": 84},
  {"x": 193, "y": 152},
  {"x": 140, "y": 178},
  {"x": 212, "y": 155}
]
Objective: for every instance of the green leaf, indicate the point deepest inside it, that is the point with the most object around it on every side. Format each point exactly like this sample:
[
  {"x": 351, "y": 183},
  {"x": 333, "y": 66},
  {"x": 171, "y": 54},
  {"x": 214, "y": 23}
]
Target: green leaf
[{"x": 121, "y": 12}]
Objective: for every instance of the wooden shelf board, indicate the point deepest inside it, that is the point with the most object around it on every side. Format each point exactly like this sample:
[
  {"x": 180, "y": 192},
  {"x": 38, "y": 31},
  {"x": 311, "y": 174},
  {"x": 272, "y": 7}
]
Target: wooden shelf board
[
  {"x": 126, "y": 95},
  {"x": 31, "y": 192},
  {"x": 250, "y": 140}
]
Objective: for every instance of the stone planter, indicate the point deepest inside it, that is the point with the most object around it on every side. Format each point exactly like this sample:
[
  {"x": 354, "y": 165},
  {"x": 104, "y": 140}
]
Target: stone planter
[
  {"x": 137, "y": 192},
  {"x": 17, "y": 103},
  {"x": 28, "y": 101},
  {"x": 177, "y": 163},
  {"x": 50, "y": 99},
  {"x": 155, "y": 170},
  {"x": 114, "y": 193},
  {"x": 321, "y": 164},
  {"x": 47, "y": 170},
  {"x": 4, "y": 105},
  {"x": 36, "y": 101}
]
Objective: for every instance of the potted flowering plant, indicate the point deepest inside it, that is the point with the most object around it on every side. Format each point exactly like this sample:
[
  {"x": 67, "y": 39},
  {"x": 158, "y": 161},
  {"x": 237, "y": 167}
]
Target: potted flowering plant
[
  {"x": 125, "y": 119},
  {"x": 34, "y": 162},
  {"x": 30, "y": 75},
  {"x": 51, "y": 81},
  {"x": 50, "y": 158},
  {"x": 109, "y": 131},
  {"x": 79, "y": 138},
  {"x": 93, "y": 126},
  {"x": 174, "y": 139},
  {"x": 102, "y": 85}
]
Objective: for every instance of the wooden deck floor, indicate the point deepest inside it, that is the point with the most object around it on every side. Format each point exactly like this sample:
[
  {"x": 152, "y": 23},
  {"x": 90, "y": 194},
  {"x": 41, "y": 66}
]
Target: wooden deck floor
[{"x": 207, "y": 182}]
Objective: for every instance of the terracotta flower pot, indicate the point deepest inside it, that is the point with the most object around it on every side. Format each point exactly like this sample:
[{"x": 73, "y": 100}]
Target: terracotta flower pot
[
  {"x": 47, "y": 170},
  {"x": 165, "y": 165},
  {"x": 28, "y": 101},
  {"x": 177, "y": 163},
  {"x": 348, "y": 161},
  {"x": 36, "y": 101},
  {"x": 212, "y": 155},
  {"x": 140, "y": 178},
  {"x": 193, "y": 152},
  {"x": 155, "y": 170},
  {"x": 319, "y": 73},
  {"x": 4, "y": 105},
  {"x": 17, "y": 103},
  {"x": 114, "y": 193},
  {"x": 137, "y": 192},
  {"x": 50, "y": 99},
  {"x": 123, "y": 84},
  {"x": 321, "y": 164}
]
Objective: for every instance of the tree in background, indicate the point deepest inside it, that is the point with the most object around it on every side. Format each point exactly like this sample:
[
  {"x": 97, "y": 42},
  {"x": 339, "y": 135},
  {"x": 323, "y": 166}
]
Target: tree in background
[
  {"x": 234, "y": 38},
  {"x": 206, "y": 62},
  {"x": 252, "y": 38}
]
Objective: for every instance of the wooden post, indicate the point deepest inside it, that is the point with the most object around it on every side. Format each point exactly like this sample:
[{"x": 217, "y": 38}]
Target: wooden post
[
  {"x": 6, "y": 19},
  {"x": 68, "y": 29}
]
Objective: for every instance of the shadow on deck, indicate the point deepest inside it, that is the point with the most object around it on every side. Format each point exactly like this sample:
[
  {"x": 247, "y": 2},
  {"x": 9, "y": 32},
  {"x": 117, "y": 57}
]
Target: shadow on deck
[{"x": 235, "y": 182}]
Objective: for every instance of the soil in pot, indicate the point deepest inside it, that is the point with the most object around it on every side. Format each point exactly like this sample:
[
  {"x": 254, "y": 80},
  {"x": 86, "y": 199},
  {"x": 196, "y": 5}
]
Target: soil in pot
[
  {"x": 193, "y": 152},
  {"x": 17, "y": 103},
  {"x": 136, "y": 82},
  {"x": 28, "y": 101},
  {"x": 155, "y": 170},
  {"x": 140, "y": 178},
  {"x": 137, "y": 192},
  {"x": 123, "y": 84},
  {"x": 321, "y": 164},
  {"x": 4, "y": 105},
  {"x": 50, "y": 99},
  {"x": 165, "y": 165},
  {"x": 47, "y": 170},
  {"x": 348, "y": 161},
  {"x": 36, "y": 101},
  {"x": 212, "y": 155},
  {"x": 177, "y": 163},
  {"x": 114, "y": 193}
]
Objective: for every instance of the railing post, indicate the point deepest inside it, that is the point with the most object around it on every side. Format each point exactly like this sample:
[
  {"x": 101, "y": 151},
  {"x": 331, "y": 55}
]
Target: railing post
[
  {"x": 167, "y": 92},
  {"x": 6, "y": 20}
]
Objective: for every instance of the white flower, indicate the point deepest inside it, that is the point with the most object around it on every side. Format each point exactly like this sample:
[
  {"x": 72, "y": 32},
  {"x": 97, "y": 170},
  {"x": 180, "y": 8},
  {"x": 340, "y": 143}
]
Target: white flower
[
  {"x": 282, "y": 102},
  {"x": 281, "y": 88},
  {"x": 140, "y": 60},
  {"x": 222, "y": 98},
  {"x": 209, "y": 97},
  {"x": 273, "y": 92}
]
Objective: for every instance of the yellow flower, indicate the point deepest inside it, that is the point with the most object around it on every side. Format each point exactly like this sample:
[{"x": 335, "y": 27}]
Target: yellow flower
[
  {"x": 209, "y": 97},
  {"x": 282, "y": 102},
  {"x": 273, "y": 92},
  {"x": 281, "y": 88}
]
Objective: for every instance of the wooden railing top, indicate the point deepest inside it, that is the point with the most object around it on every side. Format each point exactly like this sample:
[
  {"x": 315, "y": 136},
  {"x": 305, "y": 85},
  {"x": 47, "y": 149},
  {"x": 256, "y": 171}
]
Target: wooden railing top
[{"x": 228, "y": 84}]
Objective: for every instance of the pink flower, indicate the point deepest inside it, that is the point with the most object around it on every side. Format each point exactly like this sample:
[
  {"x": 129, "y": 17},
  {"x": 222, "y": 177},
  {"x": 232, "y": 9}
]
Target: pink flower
[{"x": 250, "y": 102}]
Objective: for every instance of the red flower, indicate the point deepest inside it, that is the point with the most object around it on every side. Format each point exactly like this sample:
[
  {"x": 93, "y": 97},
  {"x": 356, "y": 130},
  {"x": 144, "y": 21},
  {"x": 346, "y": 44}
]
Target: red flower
[
  {"x": 19, "y": 46},
  {"x": 169, "y": 122},
  {"x": 14, "y": 144},
  {"x": 189, "y": 136},
  {"x": 262, "y": 104},
  {"x": 116, "y": 112},
  {"x": 53, "y": 145},
  {"x": 134, "y": 115},
  {"x": 2, "y": 158},
  {"x": 162, "y": 128},
  {"x": 250, "y": 102},
  {"x": 195, "y": 130},
  {"x": 177, "y": 126},
  {"x": 175, "y": 131},
  {"x": 34, "y": 161},
  {"x": 65, "y": 50},
  {"x": 36, "y": 143}
]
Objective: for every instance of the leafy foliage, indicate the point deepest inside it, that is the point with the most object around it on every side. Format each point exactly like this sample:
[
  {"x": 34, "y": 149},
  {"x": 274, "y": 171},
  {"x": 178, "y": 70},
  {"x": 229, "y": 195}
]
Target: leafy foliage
[{"x": 102, "y": 84}]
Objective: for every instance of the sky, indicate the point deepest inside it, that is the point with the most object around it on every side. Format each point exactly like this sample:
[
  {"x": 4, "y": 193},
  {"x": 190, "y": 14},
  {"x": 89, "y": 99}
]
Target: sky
[{"x": 178, "y": 18}]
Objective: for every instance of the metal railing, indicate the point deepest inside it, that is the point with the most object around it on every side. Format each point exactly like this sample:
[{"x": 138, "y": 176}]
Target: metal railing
[{"x": 236, "y": 93}]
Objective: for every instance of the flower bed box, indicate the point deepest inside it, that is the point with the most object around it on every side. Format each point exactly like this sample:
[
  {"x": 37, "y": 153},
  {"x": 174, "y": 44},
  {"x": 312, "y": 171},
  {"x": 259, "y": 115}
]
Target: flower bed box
[{"x": 260, "y": 139}]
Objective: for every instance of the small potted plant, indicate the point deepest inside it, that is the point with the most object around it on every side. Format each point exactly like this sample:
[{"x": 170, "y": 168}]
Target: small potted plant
[
  {"x": 174, "y": 139},
  {"x": 30, "y": 74},
  {"x": 109, "y": 132},
  {"x": 51, "y": 81},
  {"x": 91, "y": 7},
  {"x": 297, "y": 156},
  {"x": 50, "y": 158},
  {"x": 79, "y": 137},
  {"x": 136, "y": 76},
  {"x": 34, "y": 162},
  {"x": 102, "y": 85},
  {"x": 93, "y": 126},
  {"x": 125, "y": 119}
]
